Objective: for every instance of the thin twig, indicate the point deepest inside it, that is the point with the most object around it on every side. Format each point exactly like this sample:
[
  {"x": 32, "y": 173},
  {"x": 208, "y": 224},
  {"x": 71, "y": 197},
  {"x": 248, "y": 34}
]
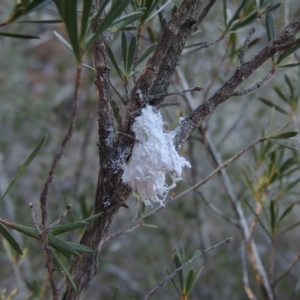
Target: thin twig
[
  {"x": 129, "y": 136},
  {"x": 196, "y": 88},
  {"x": 35, "y": 224},
  {"x": 255, "y": 86},
  {"x": 44, "y": 194},
  {"x": 119, "y": 233},
  {"x": 247, "y": 288},
  {"x": 205, "y": 45},
  {"x": 245, "y": 46},
  {"x": 203, "y": 14},
  {"x": 290, "y": 267},
  {"x": 118, "y": 93},
  {"x": 168, "y": 104},
  {"x": 60, "y": 218},
  {"x": 244, "y": 111},
  {"x": 169, "y": 277},
  {"x": 255, "y": 220},
  {"x": 216, "y": 210}
]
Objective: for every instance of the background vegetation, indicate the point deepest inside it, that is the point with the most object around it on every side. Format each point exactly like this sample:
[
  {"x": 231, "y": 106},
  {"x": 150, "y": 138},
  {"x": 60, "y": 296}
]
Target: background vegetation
[{"x": 36, "y": 87}]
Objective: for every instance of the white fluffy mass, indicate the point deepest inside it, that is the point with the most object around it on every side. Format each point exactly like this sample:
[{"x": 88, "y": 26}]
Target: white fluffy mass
[{"x": 153, "y": 156}]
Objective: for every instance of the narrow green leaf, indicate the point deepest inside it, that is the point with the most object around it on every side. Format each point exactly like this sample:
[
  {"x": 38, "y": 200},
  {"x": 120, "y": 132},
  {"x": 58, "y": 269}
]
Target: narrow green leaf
[
  {"x": 64, "y": 268},
  {"x": 150, "y": 5},
  {"x": 287, "y": 164},
  {"x": 124, "y": 50},
  {"x": 125, "y": 20},
  {"x": 273, "y": 215},
  {"x": 157, "y": 12},
  {"x": 293, "y": 49},
  {"x": 87, "y": 6},
  {"x": 145, "y": 54},
  {"x": 36, "y": 4},
  {"x": 129, "y": 28},
  {"x": 236, "y": 15},
  {"x": 30, "y": 231},
  {"x": 62, "y": 246},
  {"x": 114, "y": 12},
  {"x": 280, "y": 129},
  {"x": 286, "y": 212},
  {"x": 68, "y": 227},
  {"x": 173, "y": 282},
  {"x": 197, "y": 276},
  {"x": 271, "y": 104},
  {"x": 25, "y": 165},
  {"x": 54, "y": 21},
  {"x": 286, "y": 53},
  {"x": 92, "y": 218},
  {"x": 70, "y": 19},
  {"x": 270, "y": 27},
  {"x": 225, "y": 12},
  {"x": 80, "y": 248},
  {"x": 290, "y": 85},
  {"x": 151, "y": 34},
  {"x": 190, "y": 282},
  {"x": 150, "y": 226},
  {"x": 24, "y": 7},
  {"x": 131, "y": 54},
  {"x": 114, "y": 62},
  {"x": 194, "y": 45},
  {"x": 271, "y": 8},
  {"x": 174, "y": 10},
  {"x": 281, "y": 95},
  {"x": 285, "y": 135},
  {"x": 290, "y": 228},
  {"x": 10, "y": 239},
  {"x": 285, "y": 146},
  {"x": 181, "y": 253},
  {"x": 290, "y": 65},
  {"x": 62, "y": 39},
  {"x": 292, "y": 184},
  {"x": 248, "y": 182},
  {"x": 89, "y": 67},
  {"x": 178, "y": 264},
  {"x": 246, "y": 21},
  {"x": 18, "y": 36}
]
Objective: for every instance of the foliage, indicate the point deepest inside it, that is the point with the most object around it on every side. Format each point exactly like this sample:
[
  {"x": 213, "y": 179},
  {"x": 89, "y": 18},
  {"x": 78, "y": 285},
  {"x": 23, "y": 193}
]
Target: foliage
[{"x": 258, "y": 195}]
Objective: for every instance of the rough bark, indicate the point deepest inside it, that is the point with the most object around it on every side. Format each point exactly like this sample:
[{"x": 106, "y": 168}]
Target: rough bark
[{"x": 111, "y": 193}]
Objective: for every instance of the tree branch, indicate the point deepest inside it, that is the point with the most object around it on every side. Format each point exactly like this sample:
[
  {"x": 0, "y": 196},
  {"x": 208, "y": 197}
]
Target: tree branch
[
  {"x": 195, "y": 118},
  {"x": 157, "y": 75}
]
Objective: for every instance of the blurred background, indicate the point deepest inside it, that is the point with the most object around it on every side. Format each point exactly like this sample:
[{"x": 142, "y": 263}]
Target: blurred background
[{"x": 36, "y": 89}]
